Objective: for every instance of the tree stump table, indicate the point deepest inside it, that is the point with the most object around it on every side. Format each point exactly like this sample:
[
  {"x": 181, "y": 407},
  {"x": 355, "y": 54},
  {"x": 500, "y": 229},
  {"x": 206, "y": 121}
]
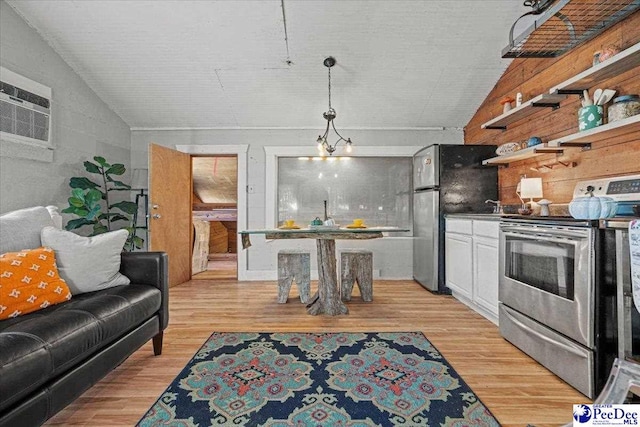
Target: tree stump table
[{"x": 327, "y": 300}]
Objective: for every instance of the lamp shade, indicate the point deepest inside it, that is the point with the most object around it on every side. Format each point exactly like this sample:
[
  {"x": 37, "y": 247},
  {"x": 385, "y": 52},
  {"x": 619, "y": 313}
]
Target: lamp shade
[
  {"x": 531, "y": 188},
  {"x": 140, "y": 179}
]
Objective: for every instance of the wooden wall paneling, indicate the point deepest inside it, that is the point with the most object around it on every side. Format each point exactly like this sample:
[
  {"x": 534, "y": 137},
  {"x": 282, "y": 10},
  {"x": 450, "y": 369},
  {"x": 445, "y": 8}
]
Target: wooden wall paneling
[
  {"x": 618, "y": 155},
  {"x": 218, "y": 240},
  {"x": 232, "y": 230}
]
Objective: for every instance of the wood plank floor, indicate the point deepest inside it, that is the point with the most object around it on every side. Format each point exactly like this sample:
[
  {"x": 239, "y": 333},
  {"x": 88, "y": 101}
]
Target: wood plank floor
[{"x": 514, "y": 387}]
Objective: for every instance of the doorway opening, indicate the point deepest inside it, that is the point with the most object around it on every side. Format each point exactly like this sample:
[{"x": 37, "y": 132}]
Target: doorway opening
[{"x": 215, "y": 217}]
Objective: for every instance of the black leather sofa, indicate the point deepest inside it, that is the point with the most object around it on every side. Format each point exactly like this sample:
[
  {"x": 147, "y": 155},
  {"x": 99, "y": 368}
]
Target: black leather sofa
[{"x": 50, "y": 357}]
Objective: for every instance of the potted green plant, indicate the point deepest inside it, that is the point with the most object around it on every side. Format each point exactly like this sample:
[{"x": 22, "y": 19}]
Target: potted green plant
[{"x": 90, "y": 202}]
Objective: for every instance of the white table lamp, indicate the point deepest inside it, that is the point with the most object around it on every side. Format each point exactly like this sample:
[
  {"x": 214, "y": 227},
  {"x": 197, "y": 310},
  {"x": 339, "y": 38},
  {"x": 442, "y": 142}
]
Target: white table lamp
[{"x": 531, "y": 188}]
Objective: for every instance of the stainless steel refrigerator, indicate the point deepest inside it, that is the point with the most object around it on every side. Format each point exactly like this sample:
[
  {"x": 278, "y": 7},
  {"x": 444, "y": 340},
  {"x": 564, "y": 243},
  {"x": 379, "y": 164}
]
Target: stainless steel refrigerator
[{"x": 446, "y": 179}]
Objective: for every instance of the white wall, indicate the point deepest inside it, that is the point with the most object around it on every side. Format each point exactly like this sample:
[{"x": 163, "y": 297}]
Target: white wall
[
  {"x": 82, "y": 125},
  {"x": 393, "y": 257}
]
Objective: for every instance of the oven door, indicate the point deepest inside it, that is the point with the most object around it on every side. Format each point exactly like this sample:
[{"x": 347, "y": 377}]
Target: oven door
[{"x": 546, "y": 274}]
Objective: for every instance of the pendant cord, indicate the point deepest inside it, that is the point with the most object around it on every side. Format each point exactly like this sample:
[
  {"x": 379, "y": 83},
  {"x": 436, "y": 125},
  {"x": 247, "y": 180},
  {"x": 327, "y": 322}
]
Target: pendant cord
[{"x": 329, "y": 87}]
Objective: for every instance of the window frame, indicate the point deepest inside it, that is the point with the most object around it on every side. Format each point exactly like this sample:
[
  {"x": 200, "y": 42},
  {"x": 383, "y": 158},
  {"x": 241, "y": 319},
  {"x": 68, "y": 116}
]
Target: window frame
[{"x": 271, "y": 167}]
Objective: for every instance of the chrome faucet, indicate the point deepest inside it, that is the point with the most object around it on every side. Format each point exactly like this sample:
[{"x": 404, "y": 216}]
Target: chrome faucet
[{"x": 497, "y": 208}]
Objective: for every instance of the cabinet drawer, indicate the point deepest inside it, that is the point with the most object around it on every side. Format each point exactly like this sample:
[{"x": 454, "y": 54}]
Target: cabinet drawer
[
  {"x": 459, "y": 225},
  {"x": 486, "y": 228}
]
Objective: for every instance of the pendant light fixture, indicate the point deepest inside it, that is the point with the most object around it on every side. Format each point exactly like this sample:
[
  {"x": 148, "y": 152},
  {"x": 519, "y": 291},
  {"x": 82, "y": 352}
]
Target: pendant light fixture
[{"x": 323, "y": 144}]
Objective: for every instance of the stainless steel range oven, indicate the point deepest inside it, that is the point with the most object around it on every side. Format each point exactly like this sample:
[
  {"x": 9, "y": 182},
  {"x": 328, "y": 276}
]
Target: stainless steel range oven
[
  {"x": 557, "y": 289},
  {"x": 547, "y": 290}
]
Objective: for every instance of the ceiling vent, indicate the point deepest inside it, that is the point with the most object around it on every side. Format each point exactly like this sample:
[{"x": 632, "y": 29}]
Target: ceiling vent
[
  {"x": 25, "y": 110},
  {"x": 564, "y": 24}
]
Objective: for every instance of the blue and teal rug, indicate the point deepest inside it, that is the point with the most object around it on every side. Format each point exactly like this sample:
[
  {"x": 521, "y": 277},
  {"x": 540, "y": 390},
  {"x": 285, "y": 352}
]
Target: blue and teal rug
[{"x": 319, "y": 380}]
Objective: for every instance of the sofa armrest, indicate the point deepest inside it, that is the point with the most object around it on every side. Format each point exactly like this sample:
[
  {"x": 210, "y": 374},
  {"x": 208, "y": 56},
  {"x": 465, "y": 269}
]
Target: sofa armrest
[{"x": 149, "y": 268}]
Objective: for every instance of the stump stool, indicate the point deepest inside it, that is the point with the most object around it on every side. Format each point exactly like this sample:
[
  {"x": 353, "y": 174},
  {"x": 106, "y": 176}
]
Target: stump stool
[
  {"x": 356, "y": 266},
  {"x": 294, "y": 265}
]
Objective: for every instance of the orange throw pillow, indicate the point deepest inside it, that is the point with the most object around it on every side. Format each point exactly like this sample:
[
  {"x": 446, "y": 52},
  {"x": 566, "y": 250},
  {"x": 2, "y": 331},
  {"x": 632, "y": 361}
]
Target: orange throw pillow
[{"x": 29, "y": 281}]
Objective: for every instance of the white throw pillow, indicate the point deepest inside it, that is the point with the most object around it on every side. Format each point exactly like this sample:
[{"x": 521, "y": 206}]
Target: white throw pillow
[{"x": 87, "y": 264}]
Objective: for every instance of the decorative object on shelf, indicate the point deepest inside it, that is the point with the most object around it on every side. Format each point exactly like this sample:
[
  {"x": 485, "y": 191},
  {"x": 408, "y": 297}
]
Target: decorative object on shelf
[
  {"x": 534, "y": 140},
  {"x": 596, "y": 58},
  {"x": 518, "y": 99},
  {"x": 140, "y": 182},
  {"x": 544, "y": 207},
  {"x": 608, "y": 52},
  {"x": 623, "y": 107},
  {"x": 506, "y": 103},
  {"x": 329, "y": 116},
  {"x": 316, "y": 221},
  {"x": 590, "y": 117},
  {"x": 507, "y": 148}
]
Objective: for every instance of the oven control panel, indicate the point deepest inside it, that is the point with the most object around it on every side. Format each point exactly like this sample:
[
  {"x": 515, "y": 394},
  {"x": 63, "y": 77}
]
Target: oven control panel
[{"x": 622, "y": 188}]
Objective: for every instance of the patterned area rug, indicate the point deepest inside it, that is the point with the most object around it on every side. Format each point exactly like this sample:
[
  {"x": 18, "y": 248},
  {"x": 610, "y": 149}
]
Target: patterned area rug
[{"x": 309, "y": 379}]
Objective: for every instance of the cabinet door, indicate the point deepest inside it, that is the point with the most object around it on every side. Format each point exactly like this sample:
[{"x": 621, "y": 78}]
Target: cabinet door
[
  {"x": 485, "y": 256},
  {"x": 459, "y": 264}
]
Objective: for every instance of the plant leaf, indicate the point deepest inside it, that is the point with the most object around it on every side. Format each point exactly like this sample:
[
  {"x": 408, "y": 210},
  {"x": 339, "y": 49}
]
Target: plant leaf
[
  {"x": 75, "y": 202},
  {"x": 106, "y": 215},
  {"x": 116, "y": 169},
  {"x": 77, "y": 223},
  {"x": 118, "y": 217},
  {"x": 95, "y": 211},
  {"x": 119, "y": 184},
  {"x": 99, "y": 228},
  {"x": 101, "y": 161},
  {"x": 126, "y": 207},
  {"x": 82, "y": 182},
  {"x": 138, "y": 242},
  {"x": 70, "y": 209},
  {"x": 78, "y": 193},
  {"x": 91, "y": 167},
  {"x": 92, "y": 197}
]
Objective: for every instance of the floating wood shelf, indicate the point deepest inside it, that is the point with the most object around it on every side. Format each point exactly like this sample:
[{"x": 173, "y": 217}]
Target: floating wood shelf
[
  {"x": 524, "y": 110},
  {"x": 523, "y": 154},
  {"x": 618, "y": 64},
  {"x": 610, "y": 130}
]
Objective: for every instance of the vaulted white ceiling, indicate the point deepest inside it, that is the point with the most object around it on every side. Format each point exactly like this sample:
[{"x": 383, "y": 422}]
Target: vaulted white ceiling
[{"x": 231, "y": 63}]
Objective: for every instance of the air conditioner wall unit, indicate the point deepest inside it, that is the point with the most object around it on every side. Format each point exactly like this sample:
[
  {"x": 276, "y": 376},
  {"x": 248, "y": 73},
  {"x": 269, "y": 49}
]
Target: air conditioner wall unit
[{"x": 25, "y": 110}]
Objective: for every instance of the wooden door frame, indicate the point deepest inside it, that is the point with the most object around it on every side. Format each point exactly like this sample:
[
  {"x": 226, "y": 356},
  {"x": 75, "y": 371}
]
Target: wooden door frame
[{"x": 240, "y": 151}]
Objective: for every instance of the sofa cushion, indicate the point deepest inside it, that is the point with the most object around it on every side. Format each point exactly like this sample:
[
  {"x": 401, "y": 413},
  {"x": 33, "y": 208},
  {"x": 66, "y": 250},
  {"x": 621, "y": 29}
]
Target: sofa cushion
[
  {"x": 21, "y": 229},
  {"x": 87, "y": 264},
  {"x": 29, "y": 281},
  {"x": 42, "y": 345}
]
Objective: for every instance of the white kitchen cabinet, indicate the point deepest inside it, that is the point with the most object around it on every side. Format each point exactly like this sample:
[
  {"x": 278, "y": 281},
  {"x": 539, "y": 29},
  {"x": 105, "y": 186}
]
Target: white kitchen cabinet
[
  {"x": 471, "y": 262},
  {"x": 459, "y": 264}
]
